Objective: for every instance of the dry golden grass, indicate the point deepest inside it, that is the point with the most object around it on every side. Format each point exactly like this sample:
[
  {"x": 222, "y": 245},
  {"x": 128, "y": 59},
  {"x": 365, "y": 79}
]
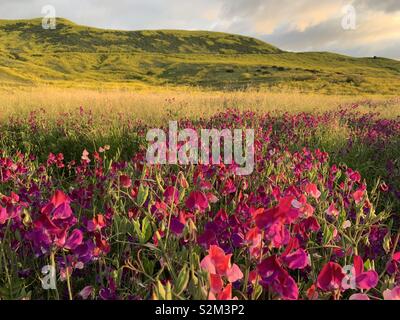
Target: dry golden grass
[{"x": 157, "y": 103}]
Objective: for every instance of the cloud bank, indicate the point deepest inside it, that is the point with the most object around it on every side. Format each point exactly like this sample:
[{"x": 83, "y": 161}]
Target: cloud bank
[{"x": 300, "y": 25}]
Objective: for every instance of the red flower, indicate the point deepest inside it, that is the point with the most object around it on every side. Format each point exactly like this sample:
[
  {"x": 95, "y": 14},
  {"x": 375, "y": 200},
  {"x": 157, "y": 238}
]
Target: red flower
[
  {"x": 97, "y": 223},
  {"x": 331, "y": 276},
  {"x": 358, "y": 196},
  {"x": 217, "y": 262},
  {"x": 225, "y": 294},
  {"x": 197, "y": 201},
  {"x": 216, "y": 283},
  {"x": 125, "y": 181},
  {"x": 313, "y": 191},
  {"x": 284, "y": 213}
]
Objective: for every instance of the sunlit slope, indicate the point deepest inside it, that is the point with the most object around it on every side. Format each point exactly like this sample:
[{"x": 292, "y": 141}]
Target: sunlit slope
[{"x": 74, "y": 55}]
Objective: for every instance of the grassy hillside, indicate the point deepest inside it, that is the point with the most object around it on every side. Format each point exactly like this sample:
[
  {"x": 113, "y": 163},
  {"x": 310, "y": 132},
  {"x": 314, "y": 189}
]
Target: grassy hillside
[{"x": 74, "y": 55}]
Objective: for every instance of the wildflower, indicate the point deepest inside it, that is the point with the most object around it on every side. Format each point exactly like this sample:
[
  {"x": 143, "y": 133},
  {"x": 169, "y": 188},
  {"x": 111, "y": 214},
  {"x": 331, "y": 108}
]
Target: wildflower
[
  {"x": 217, "y": 262},
  {"x": 96, "y": 224},
  {"x": 274, "y": 276},
  {"x": 312, "y": 190},
  {"x": 171, "y": 195},
  {"x": 125, "y": 181},
  {"x": 85, "y": 156},
  {"x": 392, "y": 294},
  {"x": 197, "y": 201},
  {"x": 358, "y": 195},
  {"x": 359, "y": 296},
  {"x": 331, "y": 276},
  {"x": 86, "y": 292},
  {"x": 74, "y": 240},
  {"x": 224, "y": 294},
  {"x": 364, "y": 279},
  {"x": 332, "y": 211},
  {"x": 295, "y": 257}
]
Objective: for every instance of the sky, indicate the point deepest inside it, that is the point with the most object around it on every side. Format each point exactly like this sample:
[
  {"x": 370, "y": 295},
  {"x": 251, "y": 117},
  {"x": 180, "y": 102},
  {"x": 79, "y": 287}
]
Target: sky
[{"x": 353, "y": 27}]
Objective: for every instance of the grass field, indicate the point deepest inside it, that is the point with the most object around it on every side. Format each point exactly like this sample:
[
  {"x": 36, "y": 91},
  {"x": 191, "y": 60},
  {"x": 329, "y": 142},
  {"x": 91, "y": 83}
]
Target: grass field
[
  {"x": 78, "y": 56},
  {"x": 161, "y": 103}
]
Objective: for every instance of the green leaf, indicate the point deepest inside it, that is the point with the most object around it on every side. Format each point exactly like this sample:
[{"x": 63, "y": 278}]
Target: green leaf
[
  {"x": 182, "y": 281},
  {"x": 387, "y": 242},
  {"x": 327, "y": 234},
  {"x": 147, "y": 230},
  {"x": 142, "y": 195}
]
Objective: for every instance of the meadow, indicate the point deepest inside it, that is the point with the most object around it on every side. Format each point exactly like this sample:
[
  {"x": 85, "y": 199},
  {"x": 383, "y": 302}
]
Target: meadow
[{"x": 317, "y": 219}]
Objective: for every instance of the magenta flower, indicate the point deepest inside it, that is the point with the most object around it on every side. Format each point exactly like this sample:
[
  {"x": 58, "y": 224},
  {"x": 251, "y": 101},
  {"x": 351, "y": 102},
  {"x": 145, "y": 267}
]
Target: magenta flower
[
  {"x": 364, "y": 279},
  {"x": 274, "y": 276},
  {"x": 330, "y": 278},
  {"x": 3, "y": 215},
  {"x": 171, "y": 195},
  {"x": 74, "y": 240},
  {"x": 58, "y": 208},
  {"x": 295, "y": 257},
  {"x": 197, "y": 201}
]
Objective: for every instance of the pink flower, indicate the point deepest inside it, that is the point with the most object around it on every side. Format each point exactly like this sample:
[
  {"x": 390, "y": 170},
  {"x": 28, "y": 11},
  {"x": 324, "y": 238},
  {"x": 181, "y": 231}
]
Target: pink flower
[
  {"x": 197, "y": 201},
  {"x": 332, "y": 211},
  {"x": 3, "y": 215},
  {"x": 86, "y": 292},
  {"x": 393, "y": 294},
  {"x": 331, "y": 276},
  {"x": 217, "y": 262},
  {"x": 364, "y": 280},
  {"x": 274, "y": 221},
  {"x": 313, "y": 191},
  {"x": 358, "y": 196},
  {"x": 359, "y": 296},
  {"x": 85, "y": 156}
]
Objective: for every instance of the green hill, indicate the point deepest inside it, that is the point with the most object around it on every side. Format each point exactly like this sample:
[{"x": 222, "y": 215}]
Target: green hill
[{"x": 73, "y": 55}]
